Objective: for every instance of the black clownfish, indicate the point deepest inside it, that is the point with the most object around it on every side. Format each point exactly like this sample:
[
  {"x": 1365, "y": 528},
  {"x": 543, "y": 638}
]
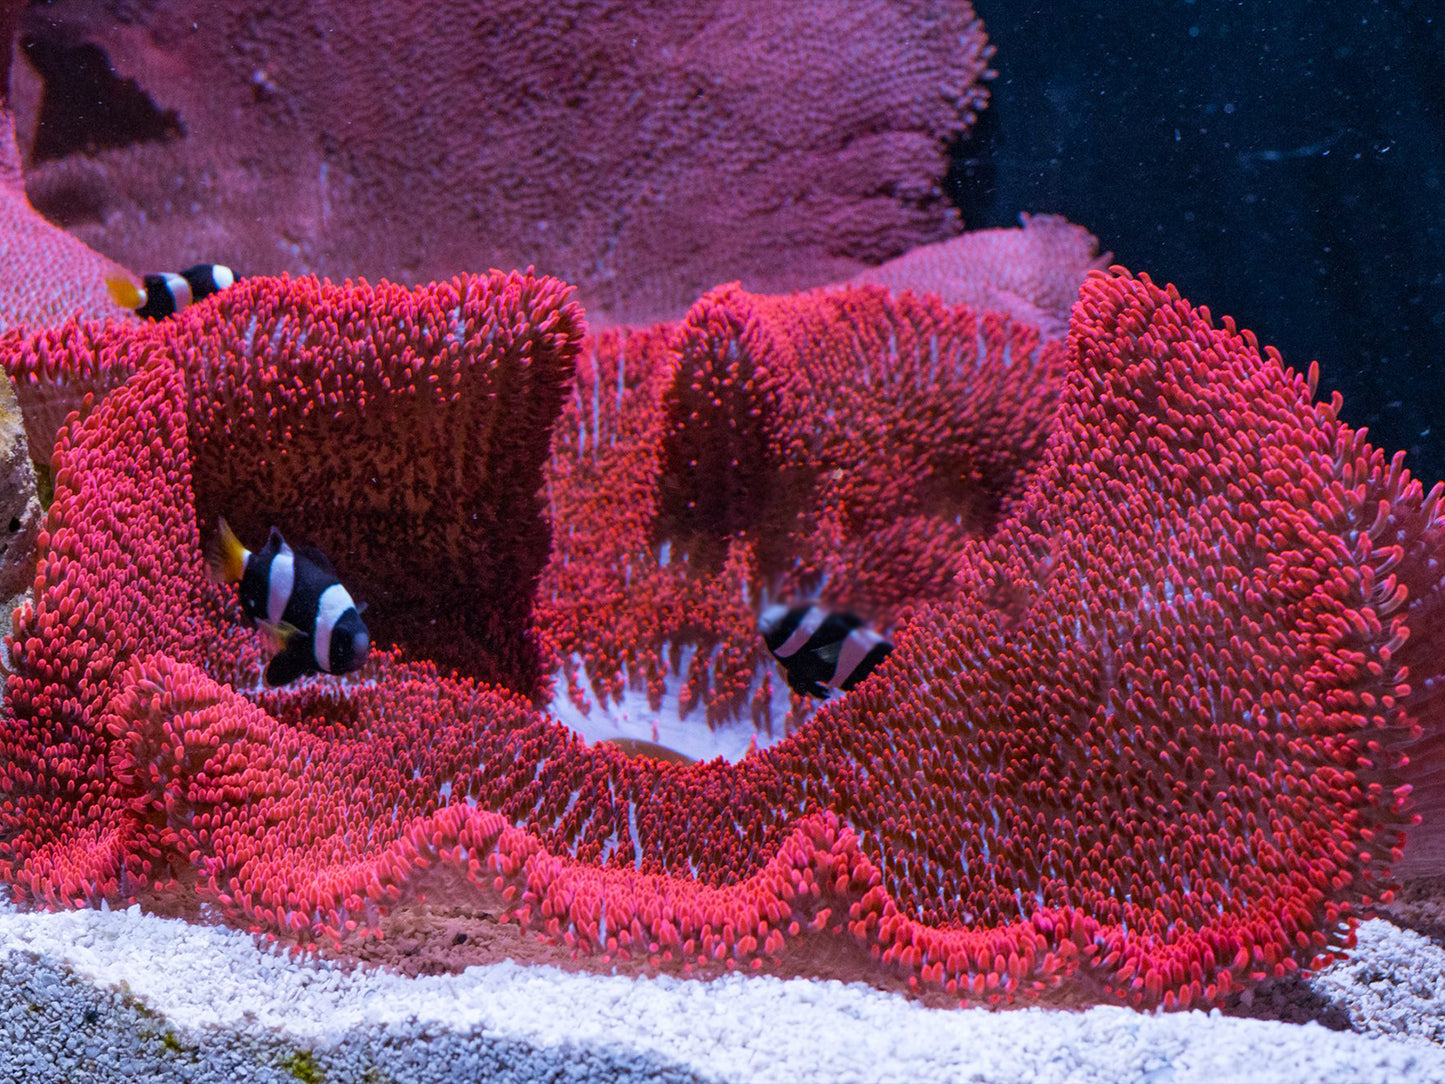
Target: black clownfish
[
  {"x": 820, "y": 649},
  {"x": 160, "y": 296},
  {"x": 295, "y": 597}
]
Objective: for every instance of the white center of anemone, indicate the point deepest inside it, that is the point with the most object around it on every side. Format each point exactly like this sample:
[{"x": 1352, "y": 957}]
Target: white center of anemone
[{"x": 632, "y": 716}]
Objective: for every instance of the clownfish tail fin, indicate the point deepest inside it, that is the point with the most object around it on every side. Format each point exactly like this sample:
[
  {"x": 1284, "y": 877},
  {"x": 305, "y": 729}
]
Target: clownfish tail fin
[
  {"x": 225, "y": 555},
  {"x": 124, "y": 292}
]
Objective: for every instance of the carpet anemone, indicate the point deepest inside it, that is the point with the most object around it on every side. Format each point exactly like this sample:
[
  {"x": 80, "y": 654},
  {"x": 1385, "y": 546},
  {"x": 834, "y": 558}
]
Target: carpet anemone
[{"x": 1164, "y": 630}]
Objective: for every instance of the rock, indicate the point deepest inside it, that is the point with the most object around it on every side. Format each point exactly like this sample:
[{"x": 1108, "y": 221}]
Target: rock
[{"x": 20, "y": 511}]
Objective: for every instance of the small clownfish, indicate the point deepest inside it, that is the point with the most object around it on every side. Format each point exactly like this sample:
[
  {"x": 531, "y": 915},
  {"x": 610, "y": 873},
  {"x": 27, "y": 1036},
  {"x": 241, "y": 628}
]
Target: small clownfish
[
  {"x": 295, "y": 598},
  {"x": 160, "y": 296},
  {"x": 820, "y": 649}
]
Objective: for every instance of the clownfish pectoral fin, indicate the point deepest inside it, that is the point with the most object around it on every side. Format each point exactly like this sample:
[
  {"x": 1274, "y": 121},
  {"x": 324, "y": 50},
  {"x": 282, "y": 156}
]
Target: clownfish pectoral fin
[
  {"x": 280, "y": 635},
  {"x": 225, "y": 555},
  {"x": 806, "y": 686},
  {"x": 125, "y": 293},
  {"x": 289, "y": 665},
  {"x": 360, "y": 607}
]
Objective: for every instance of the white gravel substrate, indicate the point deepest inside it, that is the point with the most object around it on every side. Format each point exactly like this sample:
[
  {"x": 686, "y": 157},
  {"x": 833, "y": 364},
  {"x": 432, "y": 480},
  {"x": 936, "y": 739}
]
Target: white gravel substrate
[{"x": 91, "y": 996}]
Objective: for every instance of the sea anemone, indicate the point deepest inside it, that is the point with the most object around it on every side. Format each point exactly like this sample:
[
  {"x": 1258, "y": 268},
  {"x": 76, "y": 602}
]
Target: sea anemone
[{"x": 1164, "y": 629}]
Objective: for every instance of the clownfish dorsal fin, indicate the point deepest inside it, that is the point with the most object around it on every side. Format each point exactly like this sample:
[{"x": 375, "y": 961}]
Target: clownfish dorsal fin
[
  {"x": 317, "y": 558},
  {"x": 225, "y": 555},
  {"x": 279, "y": 634},
  {"x": 124, "y": 292}
]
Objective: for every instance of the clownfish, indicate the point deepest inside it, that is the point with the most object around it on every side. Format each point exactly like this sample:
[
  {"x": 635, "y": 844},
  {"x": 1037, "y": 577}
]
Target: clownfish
[
  {"x": 296, "y": 599},
  {"x": 820, "y": 649},
  {"x": 160, "y": 296}
]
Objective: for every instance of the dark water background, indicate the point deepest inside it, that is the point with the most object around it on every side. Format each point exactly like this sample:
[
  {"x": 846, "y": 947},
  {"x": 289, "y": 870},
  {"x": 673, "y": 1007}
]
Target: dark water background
[{"x": 1283, "y": 163}]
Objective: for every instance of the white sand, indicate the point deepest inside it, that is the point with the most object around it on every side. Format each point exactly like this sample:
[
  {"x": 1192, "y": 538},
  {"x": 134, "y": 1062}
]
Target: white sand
[{"x": 92, "y": 996}]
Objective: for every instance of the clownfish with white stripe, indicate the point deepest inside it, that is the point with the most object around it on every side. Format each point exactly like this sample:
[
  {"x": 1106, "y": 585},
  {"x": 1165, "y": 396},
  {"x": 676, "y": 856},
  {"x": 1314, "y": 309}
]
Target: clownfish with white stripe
[
  {"x": 296, "y": 599},
  {"x": 159, "y": 296},
  {"x": 820, "y": 649}
]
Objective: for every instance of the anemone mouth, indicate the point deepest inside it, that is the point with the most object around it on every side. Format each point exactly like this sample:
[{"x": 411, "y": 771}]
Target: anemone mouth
[{"x": 1144, "y": 746}]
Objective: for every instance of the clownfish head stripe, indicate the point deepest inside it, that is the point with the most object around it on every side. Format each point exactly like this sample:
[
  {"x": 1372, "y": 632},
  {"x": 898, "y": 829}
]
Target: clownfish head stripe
[
  {"x": 280, "y": 583},
  {"x": 335, "y": 604},
  {"x": 802, "y": 633}
]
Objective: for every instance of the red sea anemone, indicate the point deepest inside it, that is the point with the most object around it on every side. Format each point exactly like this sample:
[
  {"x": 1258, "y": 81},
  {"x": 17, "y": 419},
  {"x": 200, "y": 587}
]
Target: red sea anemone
[{"x": 1164, "y": 629}]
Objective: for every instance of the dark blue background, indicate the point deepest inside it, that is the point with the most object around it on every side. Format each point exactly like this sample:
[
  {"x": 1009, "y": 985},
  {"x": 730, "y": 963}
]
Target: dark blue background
[{"x": 1283, "y": 163}]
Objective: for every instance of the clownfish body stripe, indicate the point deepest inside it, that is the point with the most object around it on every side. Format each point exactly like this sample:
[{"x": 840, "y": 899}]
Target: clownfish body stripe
[
  {"x": 857, "y": 646},
  {"x": 179, "y": 289}
]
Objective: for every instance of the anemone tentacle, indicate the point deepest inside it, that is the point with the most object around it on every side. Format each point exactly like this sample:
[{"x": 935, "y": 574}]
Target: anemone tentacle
[{"x": 1165, "y": 632}]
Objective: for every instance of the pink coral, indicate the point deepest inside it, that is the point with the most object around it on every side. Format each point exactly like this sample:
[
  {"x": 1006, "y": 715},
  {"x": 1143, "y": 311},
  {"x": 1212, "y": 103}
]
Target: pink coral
[
  {"x": 1033, "y": 273},
  {"x": 47, "y": 274},
  {"x": 643, "y": 151},
  {"x": 1147, "y": 743},
  {"x": 232, "y": 434}
]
